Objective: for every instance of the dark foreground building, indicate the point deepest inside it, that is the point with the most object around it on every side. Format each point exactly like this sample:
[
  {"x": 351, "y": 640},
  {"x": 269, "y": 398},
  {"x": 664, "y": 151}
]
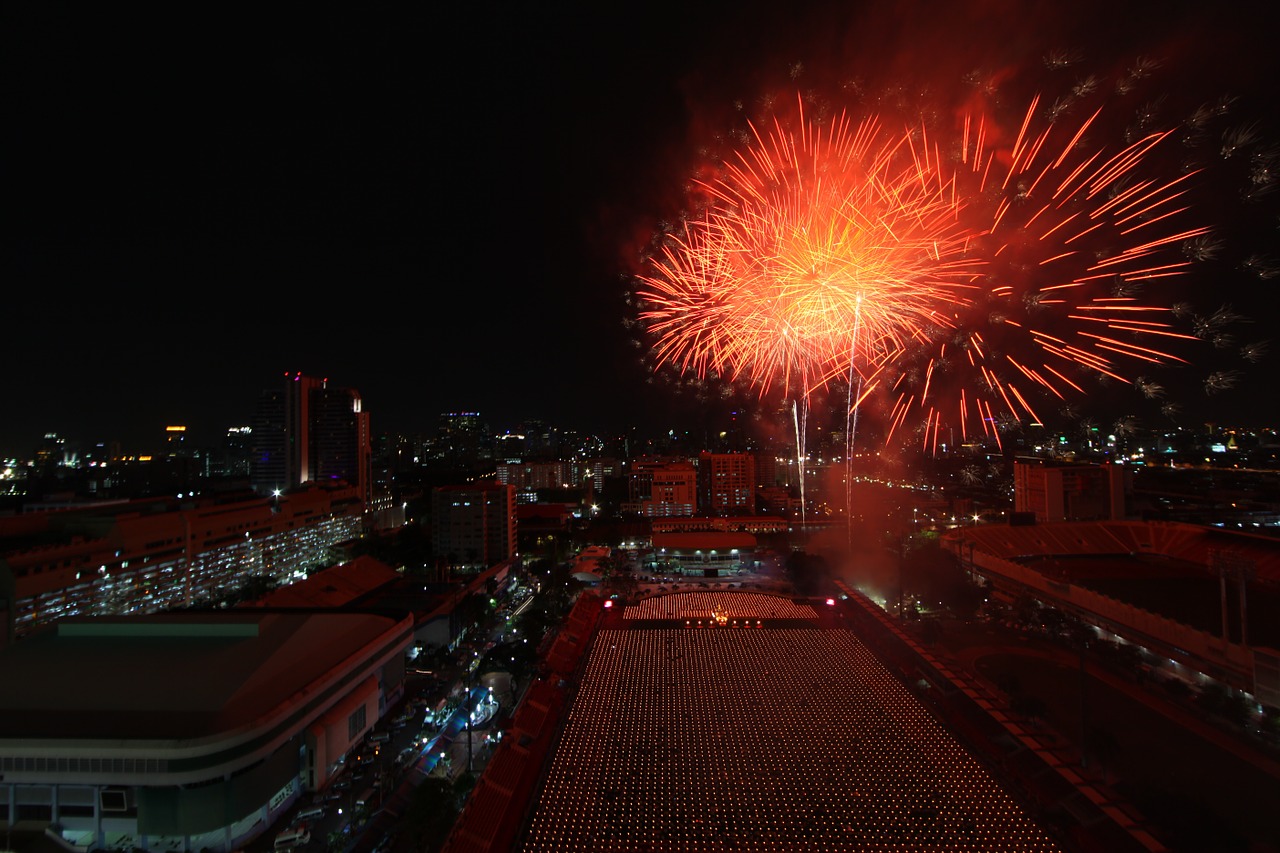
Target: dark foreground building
[{"x": 188, "y": 731}]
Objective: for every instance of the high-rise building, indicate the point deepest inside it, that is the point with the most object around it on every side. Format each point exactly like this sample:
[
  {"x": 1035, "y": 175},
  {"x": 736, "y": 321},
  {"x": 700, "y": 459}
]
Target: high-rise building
[
  {"x": 463, "y": 440},
  {"x": 1071, "y": 492},
  {"x": 473, "y": 526},
  {"x": 175, "y": 442},
  {"x": 726, "y": 483},
  {"x": 306, "y": 431},
  {"x": 530, "y": 476}
]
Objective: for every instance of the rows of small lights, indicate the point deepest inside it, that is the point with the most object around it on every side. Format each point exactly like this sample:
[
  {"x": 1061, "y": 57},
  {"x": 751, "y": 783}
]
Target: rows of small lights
[
  {"x": 707, "y": 605},
  {"x": 768, "y": 739},
  {"x": 149, "y": 586}
]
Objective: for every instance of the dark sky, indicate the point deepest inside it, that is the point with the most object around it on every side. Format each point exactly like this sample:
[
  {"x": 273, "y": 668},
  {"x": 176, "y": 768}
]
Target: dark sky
[{"x": 440, "y": 208}]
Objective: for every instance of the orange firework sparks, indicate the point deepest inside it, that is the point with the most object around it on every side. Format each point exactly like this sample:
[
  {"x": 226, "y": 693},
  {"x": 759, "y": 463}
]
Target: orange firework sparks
[
  {"x": 819, "y": 249},
  {"x": 1074, "y": 236},
  {"x": 990, "y": 280}
]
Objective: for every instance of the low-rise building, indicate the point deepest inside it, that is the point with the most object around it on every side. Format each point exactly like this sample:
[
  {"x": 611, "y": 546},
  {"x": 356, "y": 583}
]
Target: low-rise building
[{"x": 189, "y": 731}]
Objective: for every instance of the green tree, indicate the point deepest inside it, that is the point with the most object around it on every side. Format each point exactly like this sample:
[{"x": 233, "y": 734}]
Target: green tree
[
  {"x": 471, "y": 610},
  {"x": 809, "y": 573},
  {"x": 936, "y": 576},
  {"x": 622, "y": 584}
]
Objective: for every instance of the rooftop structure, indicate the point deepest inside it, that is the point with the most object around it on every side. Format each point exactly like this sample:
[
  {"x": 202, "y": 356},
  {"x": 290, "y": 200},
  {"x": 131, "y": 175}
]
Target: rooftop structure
[
  {"x": 783, "y": 734},
  {"x": 192, "y": 729}
]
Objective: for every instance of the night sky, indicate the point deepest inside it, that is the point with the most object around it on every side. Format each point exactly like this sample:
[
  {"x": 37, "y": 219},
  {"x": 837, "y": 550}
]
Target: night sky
[{"x": 442, "y": 209}]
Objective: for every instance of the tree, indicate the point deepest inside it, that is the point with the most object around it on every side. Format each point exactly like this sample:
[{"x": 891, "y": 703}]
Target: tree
[
  {"x": 470, "y": 610},
  {"x": 431, "y": 814},
  {"x": 936, "y": 576},
  {"x": 622, "y": 584},
  {"x": 809, "y": 573}
]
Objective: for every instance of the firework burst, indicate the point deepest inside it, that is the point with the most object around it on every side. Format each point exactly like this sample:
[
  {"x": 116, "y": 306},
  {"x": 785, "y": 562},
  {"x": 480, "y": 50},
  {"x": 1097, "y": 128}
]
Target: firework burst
[
  {"x": 1072, "y": 236},
  {"x": 815, "y": 249},
  {"x": 960, "y": 275}
]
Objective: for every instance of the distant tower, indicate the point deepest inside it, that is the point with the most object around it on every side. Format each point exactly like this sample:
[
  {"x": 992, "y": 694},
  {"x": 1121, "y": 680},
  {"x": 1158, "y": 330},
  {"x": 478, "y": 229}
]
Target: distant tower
[
  {"x": 474, "y": 526},
  {"x": 305, "y": 431},
  {"x": 727, "y": 483},
  {"x": 463, "y": 439},
  {"x": 175, "y": 439}
]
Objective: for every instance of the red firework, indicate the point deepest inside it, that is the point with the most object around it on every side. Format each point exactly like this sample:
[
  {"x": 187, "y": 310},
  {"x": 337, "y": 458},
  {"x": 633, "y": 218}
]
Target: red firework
[{"x": 986, "y": 278}]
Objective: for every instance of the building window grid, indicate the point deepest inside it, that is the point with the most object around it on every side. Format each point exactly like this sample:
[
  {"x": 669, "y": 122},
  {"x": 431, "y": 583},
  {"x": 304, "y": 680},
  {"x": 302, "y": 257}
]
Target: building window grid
[{"x": 155, "y": 587}]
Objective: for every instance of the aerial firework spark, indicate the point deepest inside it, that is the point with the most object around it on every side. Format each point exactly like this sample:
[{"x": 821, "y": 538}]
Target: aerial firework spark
[
  {"x": 820, "y": 253},
  {"x": 991, "y": 270},
  {"x": 816, "y": 249},
  {"x": 1073, "y": 238}
]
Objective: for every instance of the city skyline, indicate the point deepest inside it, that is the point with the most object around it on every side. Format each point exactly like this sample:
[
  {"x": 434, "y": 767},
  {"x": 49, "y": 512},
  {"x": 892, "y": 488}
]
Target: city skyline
[{"x": 453, "y": 231}]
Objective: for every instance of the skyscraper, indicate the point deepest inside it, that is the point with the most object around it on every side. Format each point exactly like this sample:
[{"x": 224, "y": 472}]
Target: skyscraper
[
  {"x": 306, "y": 431},
  {"x": 726, "y": 483}
]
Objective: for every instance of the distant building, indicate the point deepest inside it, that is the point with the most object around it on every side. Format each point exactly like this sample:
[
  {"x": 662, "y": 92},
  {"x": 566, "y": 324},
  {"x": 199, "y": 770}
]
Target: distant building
[
  {"x": 463, "y": 440},
  {"x": 305, "y": 431},
  {"x": 704, "y": 554},
  {"x": 473, "y": 526},
  {"x": 660, "y": 486},
  {"x": 756, "y": 525},
  {"x": 726, "y": 483},
  {"x": 146, "y": 556},
  {"x": 1071, "y": 492},
  {"x": 175, "y": 438},
  {"x": 534, "y": 475},
  {"x": 191, "y": 731}
]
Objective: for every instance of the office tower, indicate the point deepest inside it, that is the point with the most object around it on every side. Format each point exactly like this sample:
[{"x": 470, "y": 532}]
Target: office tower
[
  {"x": 175, "y": 443},
  {"x": 307, "y": 431},
  {"x": 463, "y": 440},
  {"x": 473, "y": 526},
  {"x": 726, "y": 483},
  {"x": 531, "y": 476}
]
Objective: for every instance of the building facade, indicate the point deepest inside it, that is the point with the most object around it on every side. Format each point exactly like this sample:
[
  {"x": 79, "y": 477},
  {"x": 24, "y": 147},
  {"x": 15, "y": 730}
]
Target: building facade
[
  {"x": 152, "y": 555},
  {"x": 659, "y": 487},
  {"x": 307, "y": 431},
  {"x": 473, "y": 526},
  {"x": 726, "y": 483},
  {"x": 1071, "y": 492},
  {"x": 187, "y": 732}
]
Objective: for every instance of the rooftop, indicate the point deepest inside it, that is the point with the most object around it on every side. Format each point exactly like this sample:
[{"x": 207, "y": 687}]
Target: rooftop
[{"x": 171, "y": 676}]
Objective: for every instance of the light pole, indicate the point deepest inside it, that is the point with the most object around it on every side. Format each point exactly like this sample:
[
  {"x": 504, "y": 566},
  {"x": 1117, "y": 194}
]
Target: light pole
[{"x": 466, "y": 708}]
